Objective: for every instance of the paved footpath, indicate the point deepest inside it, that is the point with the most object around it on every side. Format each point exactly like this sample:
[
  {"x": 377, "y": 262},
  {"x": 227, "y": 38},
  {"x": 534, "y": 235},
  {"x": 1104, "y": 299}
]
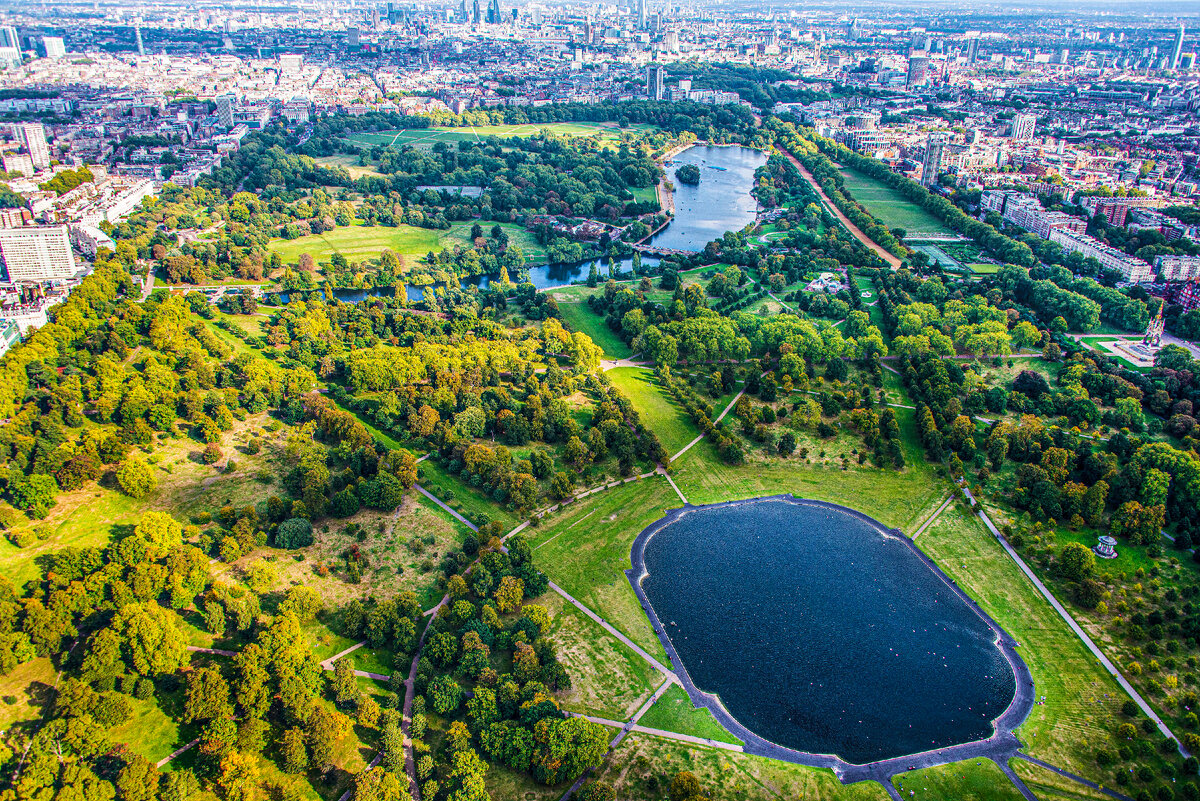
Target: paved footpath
[
  {"x": 1075, "y": 627},
  {"x": 440, "y": 503},
  {"x": 666, "y": 671},
  {"x": 1068, "y": 775},
  {"x": 685, "y": 448},
  {"x": 936, "y": 514}
]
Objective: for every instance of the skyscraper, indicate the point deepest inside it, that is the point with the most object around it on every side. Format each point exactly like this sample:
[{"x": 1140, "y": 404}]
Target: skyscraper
[
  {"x": 225, "y": 110},
  {"x": 53, "y": 47},
  {"x": 352, "y": 37},
  {"x": 972, "y": 50},
  {"x": 1177, "y": 48},
  {"x": 10, "y": 45},
  {"x": 476, "y": 14},
  {"x": 32, "y": 136},
  {"x": 935, "y": 146},
  {"x": 137, "y": 34},
  {"x": 37, "y": 253},
  {"x": 1023, "y": 127},
  {"x": 641, "y": 14},
  {"x": 917, "y": 68},
  {"x": 654, "y": 81}
]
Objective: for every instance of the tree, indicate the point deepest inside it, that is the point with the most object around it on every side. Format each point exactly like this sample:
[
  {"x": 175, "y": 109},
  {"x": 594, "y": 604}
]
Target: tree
[
  {"x": 566, "y": 748},
  {"x": 294, "y": 533},
  {"x": 688, "y": 174},
  {"x": 293, "y": 752},
  {"x": 322, "y": 731},
  {"x": 377, "y": 784},
  {"x": 685, "y": 786},
  {"x": 138, "y": 780},
  {"x": 239, "y": 778},
  {"x": 151, "y": 641},
  {"x": 509, "y": 594},
  {"x": 33, "y": 494},
  {"x": 136, "y": 478},
  {"x": 1078, "y": 561},
  {"x": 445, "y": 694},
  {"x": 345, "y": 685},
  {"x": 207, "y": 696}
]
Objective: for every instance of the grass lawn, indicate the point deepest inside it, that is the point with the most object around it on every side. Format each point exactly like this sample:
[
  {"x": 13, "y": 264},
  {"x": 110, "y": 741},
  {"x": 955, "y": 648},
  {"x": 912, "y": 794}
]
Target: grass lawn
[
  {"x": 673, "y": 711},
  {"x": 976, "y": 780},
  {"x": 150, "y": 731},
  {"x": 1083, "y": 702},
  {"x": 1048, "y": 786},
  {"x": 897, "y": 499},
  {"x": 643, "y": 765},
  {"x": 890, "y": 207},
  {"x": 580, "y": 317},
  {"x": 658, "y": 411},
  {"x": 983, "y": 269},
  {"x": 585, "y": 547},
  {"x": 607, "y": 678},
  {"x": 402, "y": 548},
  {"x": 358, "y": 242},
  {"x": 460, "y": 234},
  {"x": 351, "y": 164},
  {"x": 24, "y": 690}
]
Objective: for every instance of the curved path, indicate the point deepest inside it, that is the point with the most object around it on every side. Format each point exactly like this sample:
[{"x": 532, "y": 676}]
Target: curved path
[{"x": 890, "y": 258}]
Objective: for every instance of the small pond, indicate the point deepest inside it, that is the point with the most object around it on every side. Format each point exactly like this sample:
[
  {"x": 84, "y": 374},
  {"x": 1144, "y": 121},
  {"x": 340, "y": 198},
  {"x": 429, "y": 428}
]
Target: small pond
[{"x": 821, "y": 632}]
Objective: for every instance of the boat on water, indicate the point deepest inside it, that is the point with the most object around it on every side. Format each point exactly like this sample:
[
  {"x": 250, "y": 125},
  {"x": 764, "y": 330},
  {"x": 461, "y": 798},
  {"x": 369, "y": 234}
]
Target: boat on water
[{"x": 715, "y": 167}]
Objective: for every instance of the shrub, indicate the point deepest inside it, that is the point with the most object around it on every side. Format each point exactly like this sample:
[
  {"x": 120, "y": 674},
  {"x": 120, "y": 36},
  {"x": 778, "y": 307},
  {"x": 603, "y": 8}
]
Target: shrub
[{"x": 211, "y": 454}]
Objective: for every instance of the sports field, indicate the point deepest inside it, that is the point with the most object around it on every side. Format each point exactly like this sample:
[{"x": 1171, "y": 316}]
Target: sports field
[
  {"x": 427, "y": 137},
  {"x": 890, "y": 207}
]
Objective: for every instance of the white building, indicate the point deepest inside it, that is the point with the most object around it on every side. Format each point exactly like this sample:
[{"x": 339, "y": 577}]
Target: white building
[
  {"x": 88, "y": 239},
  {"x": 32, "y": 136},
  {"x": 10, "y": 45},
  {"x": 53, "y": 47},
  {"x": 37, "y": 253},
  {"x": 1134, "y": 270},
  {"x": 1177, "y": 268},
  {"x": 1023, "y": 127}
]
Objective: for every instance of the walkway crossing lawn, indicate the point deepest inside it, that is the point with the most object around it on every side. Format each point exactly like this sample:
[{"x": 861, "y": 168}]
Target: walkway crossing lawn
[
  {"x": 673, "y": 711},
  {"x": 890, "y": 207},
  {"x": 585, "y": 547},
  {"x": 149, "y": 731},
  {"x": 427, "y": 137},
  {"x": 642, "y": 766},
  {"x": 658, "y": 411},
  {"x": 467, "y": 501},
  {"x": 1049, "y": 786},
  {"x": 608, "y": 679},
  {"x": 580, "y": 317},
  {"x": 1083, "y": 703},
  {"x": 974, "y": 780}
]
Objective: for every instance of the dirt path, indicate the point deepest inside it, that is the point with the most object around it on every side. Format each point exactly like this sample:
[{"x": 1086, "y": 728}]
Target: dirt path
[{"x": 842, "y": 218}]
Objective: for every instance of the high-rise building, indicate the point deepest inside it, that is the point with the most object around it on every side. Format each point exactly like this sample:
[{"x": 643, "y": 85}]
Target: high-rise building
[
  {"x": 53, "y": 47},
  {"x": 1023, "y": 127},
  {"x": 671, "y": 41},
  {"x": 641, "y": 14},
  {"x": 225, "y": 110},
  {"x": 935, "y": 147},
  {"x": 476, "y": 14},
  {"x": 972, "y": 50},
  {"x": 32, "y": 136},
  {"x": 493, "y": 13},
  {"x": 352, "y": 37},
  {"x": 1177, "y": 48},
  {"x": 10, "y": 45},
  {"x": 137, "y": 35},
  {"x": 654, "y": 81},
  {"x": 917, "y": 69},
  {"x": 37, "y": 253}
]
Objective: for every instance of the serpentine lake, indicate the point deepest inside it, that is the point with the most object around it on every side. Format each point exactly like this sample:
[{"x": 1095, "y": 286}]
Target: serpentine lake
[
  {"x": 720, "y": 202},
  {"x": 820, "y": 632}
]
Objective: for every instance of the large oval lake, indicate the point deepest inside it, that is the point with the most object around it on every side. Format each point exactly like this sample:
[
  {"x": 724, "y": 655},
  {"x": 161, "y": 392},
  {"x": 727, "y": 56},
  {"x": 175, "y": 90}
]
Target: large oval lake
[{"x": 821, "y": 633}]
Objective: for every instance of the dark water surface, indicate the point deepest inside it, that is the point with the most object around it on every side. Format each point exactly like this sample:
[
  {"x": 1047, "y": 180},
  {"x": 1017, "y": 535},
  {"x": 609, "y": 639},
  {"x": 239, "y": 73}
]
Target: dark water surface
[
  {"x": 720, "y": 203},
  {"x": 820, "y": 633}
]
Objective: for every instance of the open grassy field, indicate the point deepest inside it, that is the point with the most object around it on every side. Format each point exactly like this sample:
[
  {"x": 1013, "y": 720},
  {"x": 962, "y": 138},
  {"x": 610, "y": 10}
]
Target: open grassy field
[
  {"x": 351, "y": 164},
  {"x": 975, "y": 780},
  {"x": 609, "y": 133},
  {"x": 24, "y": 690},
  {"x": 358, "y": 242},
  {"x": 890, "y": 207},
  {"x": 1082, "y": 701},
  {"x": 579, "y": 317},
  {"x": 467, "y": 501},
  {"x": 642, "y": 766},
  {"x": 607, "y": 678},
  {"x": 894, "y": 498},
  {"x": 658, "y": 411},
  {"x": 584, "y": 548},
  {"x": 673, "y": 711}
]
